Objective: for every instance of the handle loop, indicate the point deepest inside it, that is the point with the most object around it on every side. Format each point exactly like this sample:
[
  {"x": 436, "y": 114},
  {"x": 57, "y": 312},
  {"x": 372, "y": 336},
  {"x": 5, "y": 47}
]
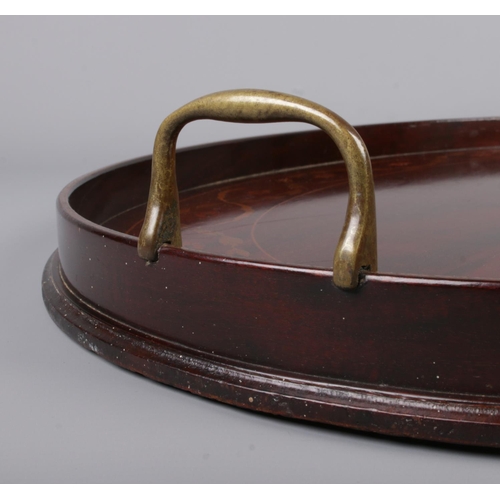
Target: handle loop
[{"x": 357, "y": 247}]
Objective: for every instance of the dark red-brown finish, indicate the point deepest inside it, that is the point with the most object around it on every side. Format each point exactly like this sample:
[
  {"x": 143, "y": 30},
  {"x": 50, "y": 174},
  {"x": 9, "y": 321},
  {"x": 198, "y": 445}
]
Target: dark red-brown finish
[{"x": 246, "y": 312}]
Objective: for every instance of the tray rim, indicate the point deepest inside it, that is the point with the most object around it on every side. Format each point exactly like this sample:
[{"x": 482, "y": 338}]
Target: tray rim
[{"x": 68, "y": 212}]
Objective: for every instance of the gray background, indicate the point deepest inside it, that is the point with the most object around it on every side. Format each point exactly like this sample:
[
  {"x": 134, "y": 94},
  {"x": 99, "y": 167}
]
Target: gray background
[{"x": 78, "y": 94}]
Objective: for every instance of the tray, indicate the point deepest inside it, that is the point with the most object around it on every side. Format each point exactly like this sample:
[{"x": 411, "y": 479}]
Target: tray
[{"x": 398, "y": 337}]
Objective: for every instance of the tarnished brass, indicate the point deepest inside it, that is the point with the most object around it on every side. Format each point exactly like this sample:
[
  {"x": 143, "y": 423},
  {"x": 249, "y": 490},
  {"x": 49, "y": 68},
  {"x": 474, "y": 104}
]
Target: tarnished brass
[{"x": 357, "y": 247}]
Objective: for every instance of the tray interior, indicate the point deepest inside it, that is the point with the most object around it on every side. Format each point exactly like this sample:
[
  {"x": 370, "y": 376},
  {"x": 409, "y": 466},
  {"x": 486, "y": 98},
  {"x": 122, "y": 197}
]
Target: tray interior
[{"x": 438, "y": 203}]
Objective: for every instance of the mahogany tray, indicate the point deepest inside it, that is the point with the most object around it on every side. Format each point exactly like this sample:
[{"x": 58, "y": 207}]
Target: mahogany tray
[{"x": 247, "y": 310}]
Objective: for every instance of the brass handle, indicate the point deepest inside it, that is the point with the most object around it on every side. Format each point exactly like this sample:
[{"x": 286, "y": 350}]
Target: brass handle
[{"x": 357, "y": 247}]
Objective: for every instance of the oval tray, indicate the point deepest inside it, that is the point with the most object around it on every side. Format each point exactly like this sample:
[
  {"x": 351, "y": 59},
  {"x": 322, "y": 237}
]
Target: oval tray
[{"x": 246, "y": 311}]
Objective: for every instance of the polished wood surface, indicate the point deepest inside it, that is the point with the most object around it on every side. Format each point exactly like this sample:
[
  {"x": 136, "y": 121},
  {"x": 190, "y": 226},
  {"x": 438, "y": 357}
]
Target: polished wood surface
[
  {"x": 246, "y": 312},
  {"x": 438, "y": 227}
]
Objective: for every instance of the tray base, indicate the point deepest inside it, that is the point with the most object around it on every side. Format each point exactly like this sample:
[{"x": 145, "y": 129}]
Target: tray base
[{"x": 392, "y": 411}]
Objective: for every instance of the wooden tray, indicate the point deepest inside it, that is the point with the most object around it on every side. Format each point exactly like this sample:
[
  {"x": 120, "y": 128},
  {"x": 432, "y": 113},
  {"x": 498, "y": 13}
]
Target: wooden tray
[{"x": 246, "y": 312}]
